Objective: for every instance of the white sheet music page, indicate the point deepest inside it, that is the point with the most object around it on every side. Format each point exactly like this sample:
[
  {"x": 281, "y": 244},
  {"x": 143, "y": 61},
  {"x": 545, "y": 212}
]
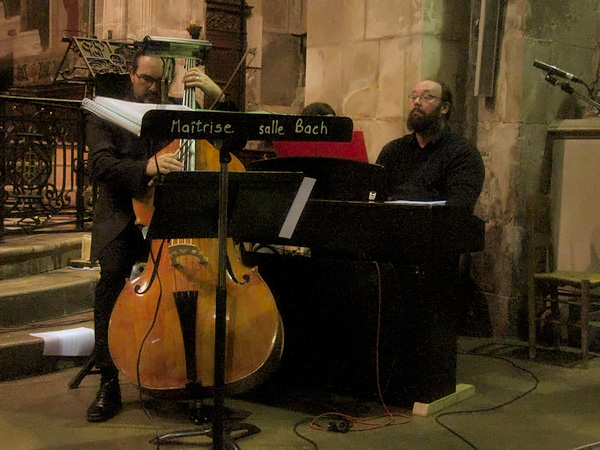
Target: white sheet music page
[
  {"x": 127, "y": 115},
  {"x": 289, "y": 225},
  {"x": 72, "y": 342},
  {"x": 415, "y": 202}
]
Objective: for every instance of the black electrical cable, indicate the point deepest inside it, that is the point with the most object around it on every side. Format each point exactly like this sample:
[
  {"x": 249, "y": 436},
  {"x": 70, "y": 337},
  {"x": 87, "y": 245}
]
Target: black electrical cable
[
  {"x": 462, "y": 438},
  {"x": 301, "y": 422}
]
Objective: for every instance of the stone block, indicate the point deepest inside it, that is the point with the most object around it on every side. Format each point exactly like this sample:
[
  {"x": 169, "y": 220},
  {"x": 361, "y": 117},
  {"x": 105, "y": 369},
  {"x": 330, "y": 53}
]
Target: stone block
[
  {"x": 391, "y": 18},
  {"x": 399, "y": 71},
  {"x": 324, "y": 76},
  {"x": 360, "y": 62},
  {"x": 572, "y": 23},
  {"x": 335, "y": 22},
  {"x": 449, "y": 18},
  {"x": 380, "y": 132},
  {"x": 281, "y": 68},
  {"x": 276, "y": 16}
]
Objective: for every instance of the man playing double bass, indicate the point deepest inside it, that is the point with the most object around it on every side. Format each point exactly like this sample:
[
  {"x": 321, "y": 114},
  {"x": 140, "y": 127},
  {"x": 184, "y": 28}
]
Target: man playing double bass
[{"x": 122, "y": 167}]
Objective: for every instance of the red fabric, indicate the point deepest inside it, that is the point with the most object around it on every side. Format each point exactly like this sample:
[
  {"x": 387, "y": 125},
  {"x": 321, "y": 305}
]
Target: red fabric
[{"x": 354, "y": 150}]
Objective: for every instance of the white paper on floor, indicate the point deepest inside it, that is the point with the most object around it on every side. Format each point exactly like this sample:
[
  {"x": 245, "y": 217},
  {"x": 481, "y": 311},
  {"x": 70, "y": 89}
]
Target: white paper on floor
[{"x": 73, "y": 342}]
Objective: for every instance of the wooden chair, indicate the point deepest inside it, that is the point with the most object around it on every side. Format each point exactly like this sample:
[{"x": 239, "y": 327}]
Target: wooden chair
[{"x": 562, "y": 299}]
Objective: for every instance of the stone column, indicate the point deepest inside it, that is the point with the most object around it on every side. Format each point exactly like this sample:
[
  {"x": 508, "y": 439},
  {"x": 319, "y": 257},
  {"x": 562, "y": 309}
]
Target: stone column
[{"x": 512, "y": 136}]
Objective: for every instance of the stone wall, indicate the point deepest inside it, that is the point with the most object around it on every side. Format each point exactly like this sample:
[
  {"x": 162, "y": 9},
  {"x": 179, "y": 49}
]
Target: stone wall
[{"x": 275, "y": 76}]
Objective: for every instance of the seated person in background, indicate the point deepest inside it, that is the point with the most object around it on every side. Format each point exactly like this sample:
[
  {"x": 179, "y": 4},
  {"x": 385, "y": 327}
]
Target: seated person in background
[
  {"x": 432, "y": 163},
  {"x": 318, "y": 109}
]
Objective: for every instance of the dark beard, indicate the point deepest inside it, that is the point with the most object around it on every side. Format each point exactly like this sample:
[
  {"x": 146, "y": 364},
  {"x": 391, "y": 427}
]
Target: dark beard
[
  {"x": 425, "y": 124},
  {"x": 152, "y": 97}
]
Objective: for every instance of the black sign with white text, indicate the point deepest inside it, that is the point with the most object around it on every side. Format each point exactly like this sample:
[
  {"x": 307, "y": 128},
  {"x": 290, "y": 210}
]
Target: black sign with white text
[{"x": 164, "y": 124}]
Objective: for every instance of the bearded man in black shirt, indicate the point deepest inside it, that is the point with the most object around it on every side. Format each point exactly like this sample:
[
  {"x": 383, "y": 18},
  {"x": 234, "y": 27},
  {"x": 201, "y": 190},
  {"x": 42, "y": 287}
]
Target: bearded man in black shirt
[{"x": 432, "y": 163}]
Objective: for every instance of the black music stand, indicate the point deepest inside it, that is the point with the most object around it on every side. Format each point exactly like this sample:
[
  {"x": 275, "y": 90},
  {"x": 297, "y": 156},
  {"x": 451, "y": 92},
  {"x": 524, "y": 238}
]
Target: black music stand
[
  {"x": 244, "y": 201},
  {"x": 234, "y": 129}
]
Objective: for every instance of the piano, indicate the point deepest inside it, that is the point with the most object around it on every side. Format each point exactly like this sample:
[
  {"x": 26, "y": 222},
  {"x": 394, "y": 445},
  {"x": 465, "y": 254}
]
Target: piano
[
  {"x": 373, "y": 268},
  {"x": 340, "y": 219},
  {"x": 373, "y": 265}
]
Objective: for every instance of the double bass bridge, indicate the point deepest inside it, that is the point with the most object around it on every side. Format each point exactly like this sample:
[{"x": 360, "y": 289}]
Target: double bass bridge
[{"x": 178, "y": 251}]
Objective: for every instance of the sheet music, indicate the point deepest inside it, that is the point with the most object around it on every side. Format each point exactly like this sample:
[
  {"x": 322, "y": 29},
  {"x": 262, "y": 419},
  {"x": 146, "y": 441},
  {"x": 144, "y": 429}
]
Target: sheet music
[
  {"x": 415, "y": 202},
  {"x": 73, "y": 342},
  {"x": 289, "y": 225},
  {"x": 127, "y": 115}
]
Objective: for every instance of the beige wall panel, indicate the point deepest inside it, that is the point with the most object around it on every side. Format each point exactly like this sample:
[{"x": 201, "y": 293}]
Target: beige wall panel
[
  {"x": 389, "y": 18},
  {"x": 399, "y": 71},
  {"x": 324, "y": 76},
  {"x": 335, "y": 21},
  {"x": 576, "y": 191}
]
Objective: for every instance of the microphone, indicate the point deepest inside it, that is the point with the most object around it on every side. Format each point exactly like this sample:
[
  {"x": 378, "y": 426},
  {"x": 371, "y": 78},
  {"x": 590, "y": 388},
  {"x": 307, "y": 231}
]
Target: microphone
[
  {"x": 562, "y": 84},
  {"x": 556, "y": 71}
]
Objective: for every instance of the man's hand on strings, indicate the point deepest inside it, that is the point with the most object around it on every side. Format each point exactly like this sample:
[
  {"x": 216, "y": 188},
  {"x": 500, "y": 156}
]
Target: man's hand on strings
[
  {"x": 163, "y": 164},
  {"x": 197, "y": 79}
]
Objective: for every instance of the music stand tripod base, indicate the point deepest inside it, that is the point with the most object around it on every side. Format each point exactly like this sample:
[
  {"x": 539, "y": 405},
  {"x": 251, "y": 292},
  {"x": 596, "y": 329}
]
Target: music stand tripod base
[{"x": 234, "y": 428}]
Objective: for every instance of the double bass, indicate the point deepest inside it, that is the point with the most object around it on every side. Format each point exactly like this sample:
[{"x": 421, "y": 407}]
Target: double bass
[{"x": 162, "y": 328}]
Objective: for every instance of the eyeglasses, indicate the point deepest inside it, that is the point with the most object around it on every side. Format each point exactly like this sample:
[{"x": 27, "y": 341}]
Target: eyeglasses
[
  {"x": 148, "y": 80},
  {"x": 426, "y": 98}
]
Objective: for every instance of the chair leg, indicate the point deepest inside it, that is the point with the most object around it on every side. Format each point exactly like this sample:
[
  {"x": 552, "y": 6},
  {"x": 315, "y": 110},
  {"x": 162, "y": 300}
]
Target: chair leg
[
  {"x": 532, "y": 323},
  {"x": 585, "y": 320}
]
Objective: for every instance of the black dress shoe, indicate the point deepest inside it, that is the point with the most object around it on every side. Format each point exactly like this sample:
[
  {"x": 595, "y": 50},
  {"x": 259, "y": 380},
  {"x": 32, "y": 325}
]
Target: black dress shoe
[{"x": 107, "y": 403}]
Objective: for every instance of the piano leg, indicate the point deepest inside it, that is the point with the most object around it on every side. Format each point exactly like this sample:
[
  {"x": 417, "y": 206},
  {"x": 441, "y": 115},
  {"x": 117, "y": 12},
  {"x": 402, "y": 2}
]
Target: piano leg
[{"x": 423, "y": 344}]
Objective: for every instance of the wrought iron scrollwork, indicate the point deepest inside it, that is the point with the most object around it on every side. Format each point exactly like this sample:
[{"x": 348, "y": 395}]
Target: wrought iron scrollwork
[
  {"x": 43, "y": 177},
  {"x": 87, "y": 57}
]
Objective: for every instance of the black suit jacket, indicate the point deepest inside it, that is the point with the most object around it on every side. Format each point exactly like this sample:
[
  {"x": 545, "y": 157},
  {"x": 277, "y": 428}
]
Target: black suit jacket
[{"x": 117, "y": 163}]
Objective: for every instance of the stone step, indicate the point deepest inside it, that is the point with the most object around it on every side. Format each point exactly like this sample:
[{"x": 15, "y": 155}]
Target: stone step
[
  {"x": 49, "y": 295},
  {"x": 40, "y": 291},
  {"x": 22, "y": 355},
  {"x": 25, "y": 255}
]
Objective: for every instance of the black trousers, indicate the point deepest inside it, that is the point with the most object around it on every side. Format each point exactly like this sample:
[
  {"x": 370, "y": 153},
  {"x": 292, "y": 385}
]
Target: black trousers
[{"x": 116, "y": 262}]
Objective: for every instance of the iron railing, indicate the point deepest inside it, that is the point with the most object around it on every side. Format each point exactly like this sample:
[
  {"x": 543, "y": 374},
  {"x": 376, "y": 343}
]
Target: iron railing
[{"x": 43, "y": 166}]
